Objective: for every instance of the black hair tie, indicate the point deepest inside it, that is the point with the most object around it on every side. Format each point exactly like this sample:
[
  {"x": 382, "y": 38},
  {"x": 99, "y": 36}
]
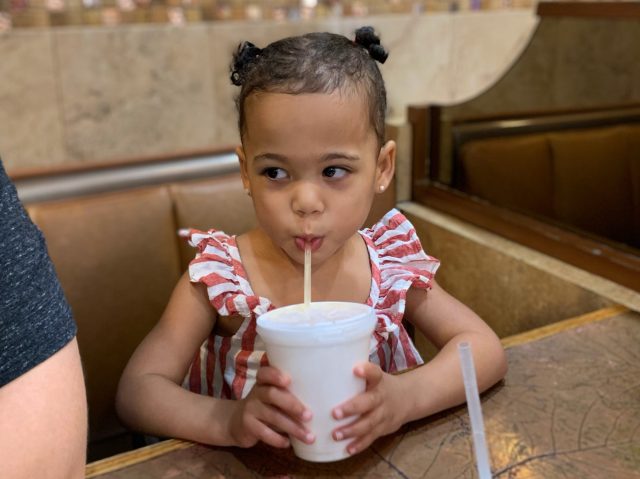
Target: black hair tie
[
  {"x": 367, "y": 39},
  {"x": 246, "y": 54}
]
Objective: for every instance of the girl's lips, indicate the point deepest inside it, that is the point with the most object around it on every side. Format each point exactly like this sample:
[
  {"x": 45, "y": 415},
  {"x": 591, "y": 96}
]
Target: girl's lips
[{"x": 313, "y": 241}]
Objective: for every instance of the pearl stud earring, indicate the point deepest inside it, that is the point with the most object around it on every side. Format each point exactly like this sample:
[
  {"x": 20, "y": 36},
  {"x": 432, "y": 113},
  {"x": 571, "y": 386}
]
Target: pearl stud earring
[{"x": 381, "y": 188}]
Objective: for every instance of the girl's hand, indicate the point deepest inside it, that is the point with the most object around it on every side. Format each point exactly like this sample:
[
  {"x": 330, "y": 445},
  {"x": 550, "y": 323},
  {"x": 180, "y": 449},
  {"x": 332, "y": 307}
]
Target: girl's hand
[
  {"x": 378, "y": 408},
  {"x": 269, "y": 413}
]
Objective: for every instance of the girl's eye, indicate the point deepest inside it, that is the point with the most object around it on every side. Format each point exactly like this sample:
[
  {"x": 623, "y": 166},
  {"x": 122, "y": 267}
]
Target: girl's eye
[
  {"x": 275, "y": 173},
  {"x": 334, "y": 172}
]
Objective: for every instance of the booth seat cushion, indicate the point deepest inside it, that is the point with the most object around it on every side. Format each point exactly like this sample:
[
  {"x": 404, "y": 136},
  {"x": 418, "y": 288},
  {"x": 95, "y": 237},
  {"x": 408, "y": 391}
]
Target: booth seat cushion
[
  {"x": 219, "y": 203},
  {"x": 592, "y": 181},
  {"x": 585, "y": 178},
  {"x": 117, "y": 258},
  {"x": 510, "y": 171}
]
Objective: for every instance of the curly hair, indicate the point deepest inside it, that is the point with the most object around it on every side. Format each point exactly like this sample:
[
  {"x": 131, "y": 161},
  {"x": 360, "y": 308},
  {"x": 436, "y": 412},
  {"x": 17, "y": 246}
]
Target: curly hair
[{"x": 314, "y": 63}]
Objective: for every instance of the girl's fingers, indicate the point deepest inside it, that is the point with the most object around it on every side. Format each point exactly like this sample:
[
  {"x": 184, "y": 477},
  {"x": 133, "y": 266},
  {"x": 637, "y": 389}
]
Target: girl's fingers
[
  {"x": 272, "y": 390},
  {"x": 360, "y": 404},
  {"x": 268, "y": 435},
  {"x": 276, "y": 419},
  {"x": 362, "y": 426},
  {"x": 360, "y": 444},
  {"x": 285, "y": 401},
  {"x": 363, "y": 432},
  {"x": 370, "y": 372},
  {"x": 272, "y": 376}
]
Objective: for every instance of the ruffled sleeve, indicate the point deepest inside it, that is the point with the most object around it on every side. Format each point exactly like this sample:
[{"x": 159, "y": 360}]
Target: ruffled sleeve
[
  {"x": 398, "y": 263},
  {"x": 217, "y": 265}
]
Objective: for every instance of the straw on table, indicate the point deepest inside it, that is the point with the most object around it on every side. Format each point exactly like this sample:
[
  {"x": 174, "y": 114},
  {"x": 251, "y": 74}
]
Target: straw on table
[{"x": 475, "y": 411}]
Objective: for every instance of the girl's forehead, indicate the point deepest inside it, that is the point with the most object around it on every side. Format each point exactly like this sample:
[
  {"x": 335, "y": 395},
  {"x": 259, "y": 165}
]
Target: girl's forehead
[
  {"x": 320, "y": 118},
  {"x": 337, "y": 99},
  {"x": 270, "y": 109}
]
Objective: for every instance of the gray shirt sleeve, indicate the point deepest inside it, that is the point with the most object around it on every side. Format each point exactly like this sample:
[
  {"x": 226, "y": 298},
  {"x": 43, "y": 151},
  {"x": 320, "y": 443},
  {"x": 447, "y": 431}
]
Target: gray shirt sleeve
[{"x": 35, "y": 318}]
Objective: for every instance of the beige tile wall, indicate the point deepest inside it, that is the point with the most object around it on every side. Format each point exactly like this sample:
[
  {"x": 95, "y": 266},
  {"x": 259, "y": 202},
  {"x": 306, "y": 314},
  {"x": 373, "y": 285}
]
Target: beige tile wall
[
  {"x": 31, "y": 127},
  {"x": 135, "y": 91},
  {"x": 569, "y": 63},
  {"x": 97, "y": 94}
]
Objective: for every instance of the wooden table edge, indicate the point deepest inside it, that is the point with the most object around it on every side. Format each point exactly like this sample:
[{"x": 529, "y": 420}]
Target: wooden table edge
[
  {"x": 554, "y": 328},
  {"x": 129, "y": 458}
]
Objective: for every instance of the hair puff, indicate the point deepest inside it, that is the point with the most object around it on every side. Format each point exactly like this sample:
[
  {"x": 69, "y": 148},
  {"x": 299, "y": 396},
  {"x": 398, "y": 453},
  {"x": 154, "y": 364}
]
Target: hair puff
[
  {"x": 367, "y": 39},
  {"x": 244, "y": 56}
]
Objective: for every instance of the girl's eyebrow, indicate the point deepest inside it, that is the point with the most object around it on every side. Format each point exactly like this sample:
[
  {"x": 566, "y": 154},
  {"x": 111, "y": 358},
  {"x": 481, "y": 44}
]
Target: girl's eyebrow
[
  {"x": 269, "y": 156},
  {"x": 337, "y": 155}
]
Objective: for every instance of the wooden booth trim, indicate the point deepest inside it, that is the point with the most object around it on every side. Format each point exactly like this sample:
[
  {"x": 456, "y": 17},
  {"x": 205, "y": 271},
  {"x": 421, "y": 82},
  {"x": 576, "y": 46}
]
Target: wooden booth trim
[{"x": 585, "y": 253}]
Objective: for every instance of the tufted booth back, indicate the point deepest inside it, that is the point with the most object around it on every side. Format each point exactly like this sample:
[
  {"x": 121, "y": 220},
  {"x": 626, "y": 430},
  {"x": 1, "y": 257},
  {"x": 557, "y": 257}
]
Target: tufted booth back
[{"x": 588, "y": 178}]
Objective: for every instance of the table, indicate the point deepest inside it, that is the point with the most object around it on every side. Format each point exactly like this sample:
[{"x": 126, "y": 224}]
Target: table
[{"x": 569, "y": 407}]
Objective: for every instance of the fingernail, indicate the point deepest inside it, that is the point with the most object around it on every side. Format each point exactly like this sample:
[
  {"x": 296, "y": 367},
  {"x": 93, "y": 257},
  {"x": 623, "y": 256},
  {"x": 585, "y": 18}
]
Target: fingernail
[
  {"x": 338, "y": 436},
  {"x": 338, "y": 413},
  {"x": 351, "y": 450},
  {"x": 310, "y": 437},
  {"x": 307, "y": 415}
]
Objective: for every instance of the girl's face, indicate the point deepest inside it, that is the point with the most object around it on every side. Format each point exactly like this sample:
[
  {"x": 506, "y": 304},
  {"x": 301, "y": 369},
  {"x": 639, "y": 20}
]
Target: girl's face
[{"x": 313, "y": 165}]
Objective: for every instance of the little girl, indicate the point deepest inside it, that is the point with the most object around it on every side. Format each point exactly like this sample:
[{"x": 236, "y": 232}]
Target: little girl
[{"x": 311, "y": 119}]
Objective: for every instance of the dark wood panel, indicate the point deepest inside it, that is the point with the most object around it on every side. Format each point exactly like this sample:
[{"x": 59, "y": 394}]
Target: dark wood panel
[
  {"x": 419, "y": 141},
  {"x": 621, "y": 10}
]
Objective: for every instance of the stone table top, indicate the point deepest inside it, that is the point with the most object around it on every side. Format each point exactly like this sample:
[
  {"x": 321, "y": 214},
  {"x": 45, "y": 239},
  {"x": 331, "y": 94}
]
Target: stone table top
[{"x": 569, "y": 407}]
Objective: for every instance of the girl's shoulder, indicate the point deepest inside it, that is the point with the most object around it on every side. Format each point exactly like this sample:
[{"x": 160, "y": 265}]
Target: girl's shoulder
[
  {"x": 218, "y": 265},
  {"x": 207, "y": 241},
  {"x": 217, "y": 255},
  {"x": 394, "y": 237},
  {"x": 396, "y": 250}
]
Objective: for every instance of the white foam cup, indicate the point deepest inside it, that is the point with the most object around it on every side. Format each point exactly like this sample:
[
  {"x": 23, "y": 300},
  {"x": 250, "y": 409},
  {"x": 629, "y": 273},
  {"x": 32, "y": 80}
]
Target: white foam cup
[{"x": 318, "y": 347}]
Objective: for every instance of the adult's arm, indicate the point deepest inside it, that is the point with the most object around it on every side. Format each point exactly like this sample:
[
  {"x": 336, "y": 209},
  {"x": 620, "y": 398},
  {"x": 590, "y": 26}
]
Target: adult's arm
[
  {"x": 43, "y": 412},
  {"x": 43, "y": 420}
]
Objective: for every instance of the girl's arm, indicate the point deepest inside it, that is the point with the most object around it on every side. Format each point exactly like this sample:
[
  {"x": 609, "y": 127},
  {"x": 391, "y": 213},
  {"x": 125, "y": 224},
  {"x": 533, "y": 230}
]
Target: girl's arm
[
  {"x": 150, "y": 397},
  {"x": 392, "y": 400},
  {"x": 446, "y": 322}
]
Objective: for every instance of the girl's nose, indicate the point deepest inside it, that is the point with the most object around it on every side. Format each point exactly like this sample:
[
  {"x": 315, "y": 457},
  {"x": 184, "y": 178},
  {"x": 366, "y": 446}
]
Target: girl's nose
[{"x": 307, "y": 199}]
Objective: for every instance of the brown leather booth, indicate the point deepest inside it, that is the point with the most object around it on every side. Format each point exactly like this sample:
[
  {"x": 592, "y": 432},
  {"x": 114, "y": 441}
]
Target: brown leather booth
[
  {"x": 118, "y": 257},
  {"x": 587, "y": 178}
]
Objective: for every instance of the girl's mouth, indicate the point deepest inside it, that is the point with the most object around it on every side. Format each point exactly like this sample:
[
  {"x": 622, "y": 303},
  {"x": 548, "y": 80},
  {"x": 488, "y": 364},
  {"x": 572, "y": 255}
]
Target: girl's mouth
[{"x": 314, "y": 242}]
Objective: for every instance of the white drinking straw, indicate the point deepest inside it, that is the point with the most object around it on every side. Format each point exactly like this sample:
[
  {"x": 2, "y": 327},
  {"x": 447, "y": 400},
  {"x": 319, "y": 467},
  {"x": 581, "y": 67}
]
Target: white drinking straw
[
  {"x": 307, "y": 275},
  {"x": 475, "y": 411}
]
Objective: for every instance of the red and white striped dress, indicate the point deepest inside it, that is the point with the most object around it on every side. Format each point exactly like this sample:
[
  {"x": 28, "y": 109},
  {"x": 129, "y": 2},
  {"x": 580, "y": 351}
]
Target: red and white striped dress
[{"x": 226, "y": 367}]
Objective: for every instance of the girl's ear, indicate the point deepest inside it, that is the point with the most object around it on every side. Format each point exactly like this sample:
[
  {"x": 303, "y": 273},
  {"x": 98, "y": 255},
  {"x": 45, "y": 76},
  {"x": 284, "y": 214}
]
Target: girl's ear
[
  {"x": 244, "y": 172},
  {"x": 386, "y": 166}
]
